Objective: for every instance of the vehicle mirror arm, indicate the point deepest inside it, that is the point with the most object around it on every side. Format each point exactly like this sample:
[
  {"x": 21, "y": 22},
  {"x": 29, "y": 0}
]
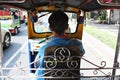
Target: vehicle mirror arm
[{"x": 44, "y": 14}]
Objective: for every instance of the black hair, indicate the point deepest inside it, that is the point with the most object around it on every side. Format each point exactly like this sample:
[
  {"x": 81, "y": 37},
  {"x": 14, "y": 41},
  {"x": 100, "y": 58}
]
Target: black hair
[
  {"x": 58, "y": 21},
  {"x": 79, "y": 12},
  {"x": 32, "y": 10}
]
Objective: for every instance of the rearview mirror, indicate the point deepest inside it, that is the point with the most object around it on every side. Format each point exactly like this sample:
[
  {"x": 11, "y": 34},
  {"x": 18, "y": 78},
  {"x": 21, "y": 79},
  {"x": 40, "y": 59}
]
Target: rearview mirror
[
  {"x": 109, "y": 2},
  {"x": 12, "y": 1}
]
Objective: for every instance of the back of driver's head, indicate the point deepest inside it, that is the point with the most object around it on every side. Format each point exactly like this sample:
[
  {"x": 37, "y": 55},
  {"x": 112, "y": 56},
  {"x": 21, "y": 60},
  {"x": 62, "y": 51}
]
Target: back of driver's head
[{"x": 58, "y": 21}]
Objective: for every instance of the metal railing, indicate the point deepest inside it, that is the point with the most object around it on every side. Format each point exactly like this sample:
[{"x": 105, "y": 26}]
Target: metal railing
[{"x": 22, "y": 72}]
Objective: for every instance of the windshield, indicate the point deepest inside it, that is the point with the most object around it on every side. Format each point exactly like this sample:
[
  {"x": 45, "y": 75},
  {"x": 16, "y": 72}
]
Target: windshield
[{"x": 42, "y": 24}]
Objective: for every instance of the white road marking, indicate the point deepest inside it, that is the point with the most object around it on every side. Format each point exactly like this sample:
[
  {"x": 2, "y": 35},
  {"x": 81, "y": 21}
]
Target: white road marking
[{"x": 8, "y": 62}]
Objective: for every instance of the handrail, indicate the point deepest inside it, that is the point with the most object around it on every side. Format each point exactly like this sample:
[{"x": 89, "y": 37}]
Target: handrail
[
  {"x": 24, "y": 71},
  {"x": 24, "y": 75}
]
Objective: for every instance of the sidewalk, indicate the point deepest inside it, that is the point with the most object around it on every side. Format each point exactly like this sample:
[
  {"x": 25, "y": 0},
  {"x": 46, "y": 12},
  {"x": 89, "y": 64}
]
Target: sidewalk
[
  {"x": 96, "y": 52},
  {"x": 99, "y": 49}
]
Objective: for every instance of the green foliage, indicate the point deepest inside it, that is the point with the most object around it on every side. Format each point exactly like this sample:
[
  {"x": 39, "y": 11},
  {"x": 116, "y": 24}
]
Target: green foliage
[
  {"x": 102, "y": 15},
  {"x": 87, "y": 15}
]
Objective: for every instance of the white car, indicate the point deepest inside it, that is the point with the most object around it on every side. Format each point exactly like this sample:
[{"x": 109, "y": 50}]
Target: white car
[{"x": 6, "y": 37}]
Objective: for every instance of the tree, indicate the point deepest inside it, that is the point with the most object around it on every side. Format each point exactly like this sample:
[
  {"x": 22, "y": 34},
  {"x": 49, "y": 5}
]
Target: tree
[{"x": 102, "y": 15}]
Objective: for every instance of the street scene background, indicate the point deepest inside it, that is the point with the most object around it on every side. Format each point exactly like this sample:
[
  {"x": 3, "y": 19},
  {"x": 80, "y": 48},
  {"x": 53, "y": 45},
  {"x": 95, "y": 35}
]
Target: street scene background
[{"x": 17, "y": 56}]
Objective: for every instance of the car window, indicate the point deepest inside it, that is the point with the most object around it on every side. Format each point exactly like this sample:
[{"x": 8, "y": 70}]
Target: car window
[{"x": 42, "y": 24}]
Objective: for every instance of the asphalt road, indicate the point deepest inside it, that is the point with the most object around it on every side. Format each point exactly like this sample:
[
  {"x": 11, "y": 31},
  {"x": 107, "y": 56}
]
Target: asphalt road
[{"x": 17, "y": 41}]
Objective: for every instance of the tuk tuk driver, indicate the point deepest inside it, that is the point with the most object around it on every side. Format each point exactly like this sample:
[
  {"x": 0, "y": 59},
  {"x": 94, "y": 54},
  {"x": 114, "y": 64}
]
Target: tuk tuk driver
[{"x": 58, "y": 24}]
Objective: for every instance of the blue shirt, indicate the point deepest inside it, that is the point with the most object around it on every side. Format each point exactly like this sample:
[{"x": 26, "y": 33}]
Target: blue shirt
[{"x": 56, "y": 41}]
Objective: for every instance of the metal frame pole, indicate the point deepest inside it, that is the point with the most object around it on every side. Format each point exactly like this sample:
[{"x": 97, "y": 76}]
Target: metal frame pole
[
  {"x": 1, "y": 54},
  {"x": 116, "y": 64}
]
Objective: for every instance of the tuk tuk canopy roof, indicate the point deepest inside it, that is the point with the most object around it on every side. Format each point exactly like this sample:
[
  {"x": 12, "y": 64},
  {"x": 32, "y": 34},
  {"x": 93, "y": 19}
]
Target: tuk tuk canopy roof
[{"x": 85, "y": 5}]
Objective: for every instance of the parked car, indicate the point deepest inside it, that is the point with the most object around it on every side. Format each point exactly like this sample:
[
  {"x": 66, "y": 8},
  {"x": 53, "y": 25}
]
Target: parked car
[{"x": 6, "y": 37}]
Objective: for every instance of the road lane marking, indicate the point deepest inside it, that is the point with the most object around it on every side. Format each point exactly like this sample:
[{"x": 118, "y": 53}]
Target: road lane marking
[{"x": 8, "y": 62}]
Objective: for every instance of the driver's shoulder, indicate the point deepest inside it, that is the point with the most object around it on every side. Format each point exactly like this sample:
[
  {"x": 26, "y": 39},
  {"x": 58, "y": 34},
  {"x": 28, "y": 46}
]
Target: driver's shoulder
[{"x": 74, "y": 41}]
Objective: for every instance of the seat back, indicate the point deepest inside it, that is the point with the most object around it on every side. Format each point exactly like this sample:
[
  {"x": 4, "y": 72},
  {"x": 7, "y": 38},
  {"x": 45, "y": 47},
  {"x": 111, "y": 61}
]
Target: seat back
[{"x": 62, "y": 63}]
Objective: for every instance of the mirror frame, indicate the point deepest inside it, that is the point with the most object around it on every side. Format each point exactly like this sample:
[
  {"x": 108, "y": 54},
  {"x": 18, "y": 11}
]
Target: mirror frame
[
  {"x": 12, "y": 1},
  {"x": 108, "y": 3}
]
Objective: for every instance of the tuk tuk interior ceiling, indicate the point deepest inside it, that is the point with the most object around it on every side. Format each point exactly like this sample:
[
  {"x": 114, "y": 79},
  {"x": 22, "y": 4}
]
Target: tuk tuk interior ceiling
[{"x": 85, "y": 5}]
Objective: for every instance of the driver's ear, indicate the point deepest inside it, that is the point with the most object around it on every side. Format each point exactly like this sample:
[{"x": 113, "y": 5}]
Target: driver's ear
[{"x": 50, "y": 28}]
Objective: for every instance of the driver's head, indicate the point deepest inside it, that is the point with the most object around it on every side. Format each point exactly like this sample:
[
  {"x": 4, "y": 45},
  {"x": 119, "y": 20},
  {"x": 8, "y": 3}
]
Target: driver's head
[{"x": 58, "y": 22}]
